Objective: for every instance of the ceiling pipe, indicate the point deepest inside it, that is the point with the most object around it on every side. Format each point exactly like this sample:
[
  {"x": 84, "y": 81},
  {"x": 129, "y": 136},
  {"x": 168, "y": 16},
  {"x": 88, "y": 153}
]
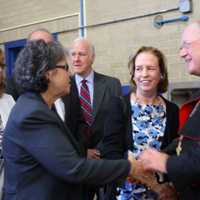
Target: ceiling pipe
[
  {"x": 38, "y": 22},
  {"x": 82, "y": 19}
]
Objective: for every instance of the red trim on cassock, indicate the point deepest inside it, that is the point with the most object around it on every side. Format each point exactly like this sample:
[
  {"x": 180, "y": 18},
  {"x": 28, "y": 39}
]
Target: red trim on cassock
[{"x": 185, "y": 111}]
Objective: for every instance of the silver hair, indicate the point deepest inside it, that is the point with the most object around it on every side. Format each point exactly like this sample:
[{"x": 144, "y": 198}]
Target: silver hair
[{"x": 92, "y": 48}]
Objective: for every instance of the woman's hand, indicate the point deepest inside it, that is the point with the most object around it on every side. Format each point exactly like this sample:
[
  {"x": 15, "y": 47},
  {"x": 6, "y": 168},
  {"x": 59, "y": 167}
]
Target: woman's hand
[{"x": 136, "y": 168}]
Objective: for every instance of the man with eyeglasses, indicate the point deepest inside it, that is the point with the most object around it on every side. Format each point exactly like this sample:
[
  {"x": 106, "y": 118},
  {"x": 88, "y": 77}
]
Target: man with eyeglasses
[
  {"x": 190, "y": 48},
  {"x": 182, "y": 161}
]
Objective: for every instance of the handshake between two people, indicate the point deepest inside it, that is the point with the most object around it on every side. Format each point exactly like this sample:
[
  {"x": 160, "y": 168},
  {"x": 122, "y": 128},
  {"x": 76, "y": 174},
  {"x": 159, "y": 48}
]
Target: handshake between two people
[{"x": 144, "y": 169}]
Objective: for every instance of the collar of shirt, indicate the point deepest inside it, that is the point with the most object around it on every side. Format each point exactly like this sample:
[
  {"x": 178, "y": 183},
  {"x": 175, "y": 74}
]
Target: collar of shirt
[{"x": 90, "y": 83}]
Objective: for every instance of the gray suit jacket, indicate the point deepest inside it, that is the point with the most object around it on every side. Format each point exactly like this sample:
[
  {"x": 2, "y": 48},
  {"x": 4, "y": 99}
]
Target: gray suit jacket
[{"x": 105, "y": 87}]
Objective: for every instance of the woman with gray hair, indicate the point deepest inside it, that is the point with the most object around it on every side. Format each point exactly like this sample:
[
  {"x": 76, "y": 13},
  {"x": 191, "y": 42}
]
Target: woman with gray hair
[{"x": 43, "y": 160}]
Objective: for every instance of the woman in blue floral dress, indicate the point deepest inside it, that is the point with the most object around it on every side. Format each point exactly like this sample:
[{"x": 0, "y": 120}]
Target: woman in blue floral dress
[{"x": 141, "y": 119}]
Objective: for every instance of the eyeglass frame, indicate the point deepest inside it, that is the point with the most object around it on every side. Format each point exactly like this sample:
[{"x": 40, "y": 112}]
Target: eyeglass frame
[
  {"x": 187, "y": 45},
  {"x": 65, "y": 67}
]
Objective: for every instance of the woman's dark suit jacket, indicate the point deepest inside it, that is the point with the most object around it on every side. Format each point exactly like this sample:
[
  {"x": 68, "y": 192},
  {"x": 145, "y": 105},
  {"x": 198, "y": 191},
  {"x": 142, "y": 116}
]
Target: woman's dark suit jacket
[
  {"x": 118, "y": 127},
  {"x": 43, "y": 160}
]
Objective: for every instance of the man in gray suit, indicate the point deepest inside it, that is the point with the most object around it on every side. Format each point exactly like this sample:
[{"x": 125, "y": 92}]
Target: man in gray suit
[{"x": 101, "y": 89}]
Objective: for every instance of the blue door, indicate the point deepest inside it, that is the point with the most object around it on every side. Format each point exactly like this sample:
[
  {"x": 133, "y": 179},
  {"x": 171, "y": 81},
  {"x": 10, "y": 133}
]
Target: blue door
[
  {"x": 11, "y": 51},
  {"x": 125, "y": 89}
]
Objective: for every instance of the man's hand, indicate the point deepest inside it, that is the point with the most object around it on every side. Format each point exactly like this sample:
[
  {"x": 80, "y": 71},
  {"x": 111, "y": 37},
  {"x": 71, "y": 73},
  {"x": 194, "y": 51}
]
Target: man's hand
[
  {"x": 93, "y": 154},
  {"x": 140, "y": 174},
  {"x": 154, "y": 160}
]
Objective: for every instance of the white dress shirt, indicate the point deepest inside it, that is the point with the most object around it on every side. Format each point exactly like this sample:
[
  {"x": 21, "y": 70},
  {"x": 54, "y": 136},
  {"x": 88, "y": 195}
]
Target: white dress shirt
[
  {"x": 60, "y": 108},
  {"x": 6, "y": 104}
]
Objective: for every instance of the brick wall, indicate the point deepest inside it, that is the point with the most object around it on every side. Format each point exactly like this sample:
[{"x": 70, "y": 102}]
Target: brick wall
[
  {"x": 114, "y": 41},
  {"x": 26, "y": 14}
]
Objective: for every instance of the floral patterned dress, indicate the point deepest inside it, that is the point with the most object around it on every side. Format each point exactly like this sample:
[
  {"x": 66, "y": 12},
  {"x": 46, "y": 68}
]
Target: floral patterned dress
[{"x": 148, "y": 122}]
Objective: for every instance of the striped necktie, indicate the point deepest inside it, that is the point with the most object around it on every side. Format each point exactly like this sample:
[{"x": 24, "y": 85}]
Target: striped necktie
[{"x": 85, "y": 102}]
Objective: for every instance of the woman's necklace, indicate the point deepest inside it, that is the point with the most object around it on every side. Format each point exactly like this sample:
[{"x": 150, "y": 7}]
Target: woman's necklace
[{"x": 151, "y": 101}]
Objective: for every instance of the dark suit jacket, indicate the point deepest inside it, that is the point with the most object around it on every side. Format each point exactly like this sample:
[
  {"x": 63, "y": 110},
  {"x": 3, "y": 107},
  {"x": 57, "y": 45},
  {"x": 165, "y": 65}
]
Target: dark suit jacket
[
  {"x": 184, "y": 170},
  {"x": 118, "y": 127},
  {"x": 73, "y": 116},
  {"x": 105, "y": 87},
  {"x": 43, "y": 160}
]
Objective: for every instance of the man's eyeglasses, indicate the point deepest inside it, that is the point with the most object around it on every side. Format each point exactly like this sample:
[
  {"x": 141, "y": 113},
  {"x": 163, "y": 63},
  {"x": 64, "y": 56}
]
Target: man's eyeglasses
[
  {"x": 66, "y": 66},
  {"x": 187, "y": 45}
]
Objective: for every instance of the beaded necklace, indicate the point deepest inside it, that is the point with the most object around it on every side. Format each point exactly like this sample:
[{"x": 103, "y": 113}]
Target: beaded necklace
[{"x": 156, "y": 100}]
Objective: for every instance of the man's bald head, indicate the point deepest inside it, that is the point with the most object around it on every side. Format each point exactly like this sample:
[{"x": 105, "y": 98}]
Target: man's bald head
[
  {"x": 190, "y": 47},
  {"x": 41, "y": 34}
]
